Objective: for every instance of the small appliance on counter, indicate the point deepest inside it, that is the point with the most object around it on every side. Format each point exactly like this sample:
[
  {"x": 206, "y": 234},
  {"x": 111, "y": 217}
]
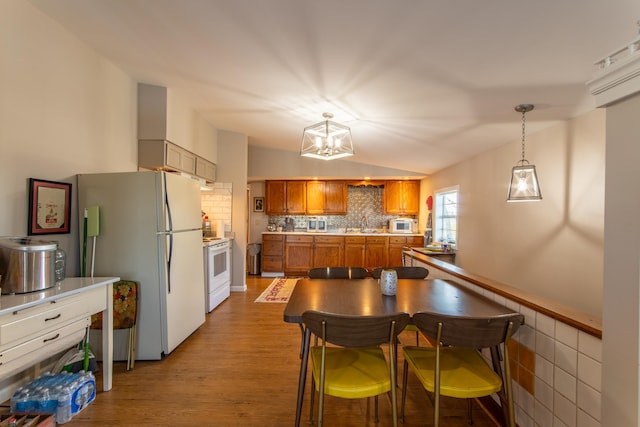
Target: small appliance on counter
[
  {"x": 27, "y": 264},
  {"x": 403, "y": 225},
  {"x": 317, "y": 224}
]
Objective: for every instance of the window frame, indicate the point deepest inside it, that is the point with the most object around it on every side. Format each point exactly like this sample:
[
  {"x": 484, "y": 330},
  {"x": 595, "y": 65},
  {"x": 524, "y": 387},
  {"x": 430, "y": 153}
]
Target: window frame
[{"x": 438, "y": 229}]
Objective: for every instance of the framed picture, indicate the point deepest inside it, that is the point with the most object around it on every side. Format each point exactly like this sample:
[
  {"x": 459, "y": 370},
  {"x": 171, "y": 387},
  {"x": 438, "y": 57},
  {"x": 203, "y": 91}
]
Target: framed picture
[
  {"x": 258, "y": 204},
  {"x": 49, "y": 207}
]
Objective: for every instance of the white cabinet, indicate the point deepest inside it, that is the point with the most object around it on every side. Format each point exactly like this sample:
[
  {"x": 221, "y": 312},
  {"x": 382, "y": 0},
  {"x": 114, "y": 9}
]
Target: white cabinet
[
  {"x": 205, "y": 169},
  {"x": 38, "y": 325},
  {"x": 163, "y": 155}
]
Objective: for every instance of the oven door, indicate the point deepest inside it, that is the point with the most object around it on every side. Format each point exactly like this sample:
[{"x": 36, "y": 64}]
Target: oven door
[{"x": 218, "y": 275}]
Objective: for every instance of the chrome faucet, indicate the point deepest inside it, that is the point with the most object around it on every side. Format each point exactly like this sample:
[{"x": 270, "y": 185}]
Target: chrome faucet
[{"x": 364, "y": 223}]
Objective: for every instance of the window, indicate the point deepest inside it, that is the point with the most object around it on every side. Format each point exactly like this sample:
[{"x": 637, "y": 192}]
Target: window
[{"x": 446, "y": 216}]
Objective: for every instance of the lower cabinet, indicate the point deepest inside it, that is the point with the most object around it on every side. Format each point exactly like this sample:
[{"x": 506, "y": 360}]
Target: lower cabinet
[
  {"x": 365, "y": 251},
  {"x": 298, "y": 254},
  {"x": 328, "y": 251},
  {"x": 295, "y": 254},
  {"x": 354, "y": 251},
  {"x": 376, "y": 252},
  {"x": 396, "y": 243},
  {"x": 272, "y": 253}
]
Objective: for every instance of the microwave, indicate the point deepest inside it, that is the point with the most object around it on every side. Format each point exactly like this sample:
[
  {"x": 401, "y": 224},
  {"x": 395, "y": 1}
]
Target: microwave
[
  {"x": 317, "y": 224},
  {"x": 402, "y": 225}
]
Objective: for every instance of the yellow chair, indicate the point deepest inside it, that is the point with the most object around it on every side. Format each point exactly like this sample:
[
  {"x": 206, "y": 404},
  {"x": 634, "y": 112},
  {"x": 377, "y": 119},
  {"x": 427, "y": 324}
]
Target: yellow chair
[
  {"x": 355, "y": 366},
  {"x": 125, "y": 314},
  {"x": 455, "y": 367}
]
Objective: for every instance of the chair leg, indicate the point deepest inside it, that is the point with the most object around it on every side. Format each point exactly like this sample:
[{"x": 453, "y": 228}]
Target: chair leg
[
  {"x": 376, "y": 418},
  {"x": 404, "y": 390},
  {"x": 313, "y": 392},
  {"x": 469, "y": 412}
]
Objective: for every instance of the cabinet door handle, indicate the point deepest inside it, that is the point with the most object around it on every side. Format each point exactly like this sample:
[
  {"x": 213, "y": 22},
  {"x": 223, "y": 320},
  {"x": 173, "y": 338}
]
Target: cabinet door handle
[
  {"x": 51, "y": 339},
  {"x": 57, "y": 316}
]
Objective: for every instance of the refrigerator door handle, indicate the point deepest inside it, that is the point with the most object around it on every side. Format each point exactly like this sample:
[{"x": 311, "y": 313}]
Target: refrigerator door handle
[
  {"x": 169, "y": 262},
  {"x": 169, "y": 229}
]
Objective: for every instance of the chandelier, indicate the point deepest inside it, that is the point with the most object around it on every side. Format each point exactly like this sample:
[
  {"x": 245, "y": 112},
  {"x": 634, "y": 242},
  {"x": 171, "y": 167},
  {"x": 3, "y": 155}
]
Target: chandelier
[
  {"x": 327, "y": 140},
  {"x": 524, "y": 181}
]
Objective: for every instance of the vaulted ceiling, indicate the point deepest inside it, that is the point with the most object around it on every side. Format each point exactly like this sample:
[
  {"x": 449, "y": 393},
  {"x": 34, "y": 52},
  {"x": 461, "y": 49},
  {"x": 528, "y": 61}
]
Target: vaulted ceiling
[{"x": 436, "y": 79}]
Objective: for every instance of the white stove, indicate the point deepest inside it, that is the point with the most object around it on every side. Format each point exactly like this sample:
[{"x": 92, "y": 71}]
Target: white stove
[{"x": 217, "y": 271}]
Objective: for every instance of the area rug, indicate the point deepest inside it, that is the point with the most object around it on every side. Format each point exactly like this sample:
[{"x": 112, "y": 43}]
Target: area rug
[{"x": 278, "y": 291}]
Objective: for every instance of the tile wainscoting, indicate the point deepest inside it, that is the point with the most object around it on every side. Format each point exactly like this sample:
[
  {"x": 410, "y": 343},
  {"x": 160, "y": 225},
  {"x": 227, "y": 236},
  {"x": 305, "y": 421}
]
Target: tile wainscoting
[{"x": 556, "y": 366}]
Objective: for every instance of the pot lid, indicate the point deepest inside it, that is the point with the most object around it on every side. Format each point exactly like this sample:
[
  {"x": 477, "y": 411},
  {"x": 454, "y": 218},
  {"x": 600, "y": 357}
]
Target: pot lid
[{"x": 27, "y": 244}]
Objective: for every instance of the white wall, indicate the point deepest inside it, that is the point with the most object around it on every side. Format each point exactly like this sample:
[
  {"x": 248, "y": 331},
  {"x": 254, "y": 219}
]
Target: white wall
[
  {"x": 267, "y": 163},
  {"x": 553, "y": 248},
  {"x": 64, "y": 110},
  {"x": 621, "y": 314},
  {"x": 232, "y": 168}
]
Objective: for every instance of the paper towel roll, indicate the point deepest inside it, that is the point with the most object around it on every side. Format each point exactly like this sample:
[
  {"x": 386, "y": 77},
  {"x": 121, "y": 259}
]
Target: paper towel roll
[{"x": 219, "y": 228}]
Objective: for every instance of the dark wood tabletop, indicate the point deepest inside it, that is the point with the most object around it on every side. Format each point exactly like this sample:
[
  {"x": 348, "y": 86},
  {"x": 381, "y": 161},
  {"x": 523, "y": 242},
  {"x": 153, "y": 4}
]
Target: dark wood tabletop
[{"x": 363, "y": 297}]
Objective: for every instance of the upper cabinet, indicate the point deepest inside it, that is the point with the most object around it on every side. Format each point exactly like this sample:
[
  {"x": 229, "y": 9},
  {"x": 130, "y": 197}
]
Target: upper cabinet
[
  {"x": 165, "y": 155},
  {"x": 164, "y": 125},
  {"x": 402, "y": 197},
  {"x": 326, "y": 197},
  {"x": 286, "y": 197}
]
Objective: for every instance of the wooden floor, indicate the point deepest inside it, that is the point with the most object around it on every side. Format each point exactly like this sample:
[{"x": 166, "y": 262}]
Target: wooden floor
[{"x": 240, "y": 369}]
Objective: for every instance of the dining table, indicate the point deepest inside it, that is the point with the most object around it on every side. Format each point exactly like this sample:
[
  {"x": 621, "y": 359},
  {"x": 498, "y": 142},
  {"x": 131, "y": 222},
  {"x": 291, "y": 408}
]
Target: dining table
[{"x": 363, "y": 297}]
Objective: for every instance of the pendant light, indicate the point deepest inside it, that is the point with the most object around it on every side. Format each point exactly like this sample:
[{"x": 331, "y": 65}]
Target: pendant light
[
  {"x": 524, "y": 181},
  {"x": 327, "y": 140}
]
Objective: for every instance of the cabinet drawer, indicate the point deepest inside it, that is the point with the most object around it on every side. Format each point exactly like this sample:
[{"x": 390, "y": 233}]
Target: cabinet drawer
[
  {"x": 272, "y": 264},
  {"x": 397, "y": 240},
  {"x": 376, "y": 239},
  {"x": 415, "y": 241},
  {"x": 272, "y": 248},
  {"x": 299, "y": 239},
  {"x": 329, "y": 239},
  {"x": 354, "y": 240},
  {"x": 30, "y": 352},
  {"x": 272, "y": 238},
  {"x": 33, "y": 321}
]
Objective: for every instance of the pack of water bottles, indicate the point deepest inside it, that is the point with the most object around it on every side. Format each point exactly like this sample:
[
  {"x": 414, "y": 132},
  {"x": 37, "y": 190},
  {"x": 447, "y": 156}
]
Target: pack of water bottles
[{"x": 63, "y": 395}]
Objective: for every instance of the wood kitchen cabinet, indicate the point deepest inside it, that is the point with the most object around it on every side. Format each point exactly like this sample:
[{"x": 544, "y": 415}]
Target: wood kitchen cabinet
[
  {"x": 376, "y": 252},
  {"x": 328, "y": 251},
  {"x": 298, "y": 254},
  {"x": 326, "y": 197},
  {"x": 272, "y": 253},
  {"x": 354, "y": 251},
  {"x": 366, "y": 251},
  {"x": 402, "y": 197},
  {"x": 286, "y": 197},
  {"x": 396, "y": 243}
]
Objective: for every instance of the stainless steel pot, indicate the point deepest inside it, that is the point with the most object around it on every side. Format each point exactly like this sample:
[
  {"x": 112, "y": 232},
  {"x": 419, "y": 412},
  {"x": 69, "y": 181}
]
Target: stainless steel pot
[{"x": 26, "y": 264}]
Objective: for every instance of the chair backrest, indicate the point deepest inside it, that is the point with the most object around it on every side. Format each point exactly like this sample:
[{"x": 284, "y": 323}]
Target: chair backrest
[
  {"x": 355, "y": 331},
  {"x": 125, "y": 306},
  {"x": 469, "y": 332},
  {"x": 338, "y": 273},
  {"x": 403, "y": 272}
]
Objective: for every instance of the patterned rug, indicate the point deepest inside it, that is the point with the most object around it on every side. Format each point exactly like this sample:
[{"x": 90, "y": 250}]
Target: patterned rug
[{"x": 278, "y": 291}]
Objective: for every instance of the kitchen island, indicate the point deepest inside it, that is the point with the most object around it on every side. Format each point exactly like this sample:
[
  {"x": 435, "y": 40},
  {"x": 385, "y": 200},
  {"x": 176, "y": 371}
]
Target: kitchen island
[{"x": 295, "y": 252}]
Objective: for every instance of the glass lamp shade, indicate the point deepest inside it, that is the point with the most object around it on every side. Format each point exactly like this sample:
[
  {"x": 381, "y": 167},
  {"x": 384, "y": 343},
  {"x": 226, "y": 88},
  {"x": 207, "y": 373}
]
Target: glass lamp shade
[
  {"x": 524, "y": 184},
  {"x": 326, "y": 140}
]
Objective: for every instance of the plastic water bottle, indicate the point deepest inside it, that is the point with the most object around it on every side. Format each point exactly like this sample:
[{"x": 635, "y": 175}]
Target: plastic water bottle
[{"x": 63, "y": 413}]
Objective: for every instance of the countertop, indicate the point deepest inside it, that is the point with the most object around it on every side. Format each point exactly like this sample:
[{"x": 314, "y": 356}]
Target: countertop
[
  {"x": 68, "y": 287},
  {"x": 342, "y": 233}
]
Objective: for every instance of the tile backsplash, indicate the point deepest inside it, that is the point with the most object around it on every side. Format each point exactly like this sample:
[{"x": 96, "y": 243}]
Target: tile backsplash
[
  {"x": 217, "y": 203},
  {"x": 361, "y": 202}
]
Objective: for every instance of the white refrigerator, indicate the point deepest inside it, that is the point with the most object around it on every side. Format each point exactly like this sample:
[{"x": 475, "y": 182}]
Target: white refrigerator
[{"x": 150, "y": 232}]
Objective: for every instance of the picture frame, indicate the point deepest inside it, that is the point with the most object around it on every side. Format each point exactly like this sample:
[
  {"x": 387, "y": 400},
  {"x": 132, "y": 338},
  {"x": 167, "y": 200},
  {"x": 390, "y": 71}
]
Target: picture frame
[
  {"x": 49, "y": 207},
  {"x": 258, "y": 204}
]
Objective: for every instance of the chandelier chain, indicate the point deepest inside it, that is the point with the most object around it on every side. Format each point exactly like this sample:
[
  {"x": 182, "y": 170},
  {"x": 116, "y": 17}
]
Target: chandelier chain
[{"x": 523, "y": 113}]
